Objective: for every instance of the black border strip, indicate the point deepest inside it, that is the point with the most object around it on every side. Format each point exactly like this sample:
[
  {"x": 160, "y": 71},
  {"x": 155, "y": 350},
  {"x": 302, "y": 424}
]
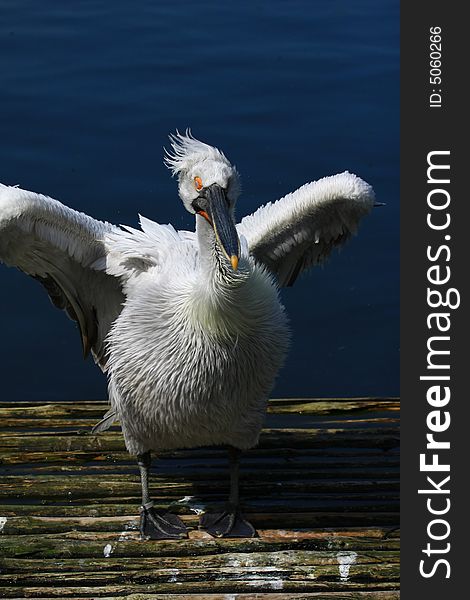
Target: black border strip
[{"x": 428, "y": 128}]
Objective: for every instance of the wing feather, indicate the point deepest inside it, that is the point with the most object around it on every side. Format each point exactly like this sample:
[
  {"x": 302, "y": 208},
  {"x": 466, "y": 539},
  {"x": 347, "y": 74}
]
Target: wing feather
[
  {"x": 61, "y": 248},
  {"x": 301, "y": 229}
]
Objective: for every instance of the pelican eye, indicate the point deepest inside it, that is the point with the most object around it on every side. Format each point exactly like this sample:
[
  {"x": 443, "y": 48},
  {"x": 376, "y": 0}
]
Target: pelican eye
[{"x": 198, "y": 183}]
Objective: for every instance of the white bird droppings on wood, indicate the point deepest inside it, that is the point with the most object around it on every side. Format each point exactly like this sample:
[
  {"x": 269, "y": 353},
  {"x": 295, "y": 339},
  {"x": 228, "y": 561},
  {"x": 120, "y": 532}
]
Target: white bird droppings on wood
[
  {"x": 173, "y": 575},
  {"x": 345, "y": 560},
  {"x": 191, "y": 502}
]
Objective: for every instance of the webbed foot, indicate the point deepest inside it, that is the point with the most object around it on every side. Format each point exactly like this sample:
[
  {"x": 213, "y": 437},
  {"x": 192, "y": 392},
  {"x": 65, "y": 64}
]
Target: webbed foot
[
  {"x": 229, "y": 523},
  {"x": 160, "y": 525}
]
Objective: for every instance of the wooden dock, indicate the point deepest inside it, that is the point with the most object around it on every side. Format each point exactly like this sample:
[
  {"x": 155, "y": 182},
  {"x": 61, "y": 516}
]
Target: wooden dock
[{"x": 322, "y": 489}]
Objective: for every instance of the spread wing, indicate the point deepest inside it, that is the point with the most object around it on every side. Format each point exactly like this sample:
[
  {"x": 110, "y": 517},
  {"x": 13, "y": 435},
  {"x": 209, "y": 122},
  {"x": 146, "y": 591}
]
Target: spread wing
[
  {"x": 64, "y": 250},
  {"x": 301, "y": 229}
]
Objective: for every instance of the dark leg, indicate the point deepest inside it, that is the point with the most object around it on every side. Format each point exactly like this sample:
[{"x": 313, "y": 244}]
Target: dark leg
[
  {"x": 156, "y": 524},
  {"x": 230, "y": 522}
]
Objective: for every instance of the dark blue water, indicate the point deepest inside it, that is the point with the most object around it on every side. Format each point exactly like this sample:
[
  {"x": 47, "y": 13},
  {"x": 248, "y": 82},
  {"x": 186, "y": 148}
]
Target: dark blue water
[{"x": 290, "y": 90}]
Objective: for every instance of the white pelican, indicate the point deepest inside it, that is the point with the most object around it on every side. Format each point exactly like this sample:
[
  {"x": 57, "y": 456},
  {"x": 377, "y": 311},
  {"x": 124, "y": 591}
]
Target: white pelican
[{"x": 188, "y": 326}]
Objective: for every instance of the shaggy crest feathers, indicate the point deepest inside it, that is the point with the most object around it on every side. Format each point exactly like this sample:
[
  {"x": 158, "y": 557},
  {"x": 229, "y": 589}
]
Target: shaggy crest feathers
[{"x": 186, "y": 150}]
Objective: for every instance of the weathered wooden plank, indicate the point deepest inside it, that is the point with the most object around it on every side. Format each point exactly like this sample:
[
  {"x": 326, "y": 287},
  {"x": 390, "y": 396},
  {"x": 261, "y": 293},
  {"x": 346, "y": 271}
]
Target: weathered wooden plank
[
  {"x": 207, "y": 474},
  {"x": 80, "y": 489},
  {"x": 13, "y": 457},
  {"x": 266, "y": 583},
  {"x": 91, "y": 409},
  {"x": 323, "y": 595},
  {"x": 66, "y": 408},
  {"x": 33, "y": 523},
  {"x": 125, "y": 544},
  {"x": 310, "y": 513},
  {"x": 85, "y": 426},
  {"x": 328, "y": 406},
  {"x": 351, "y": 468},
  {"x": 190, "y": 506},
  {"x": 284, "y": 559},
  {"x": 222, "y": 570},
  {"x": 251, "y": 479},
  {"x": 226, "y": 581},
  {"x": 86, "y": 486},
  {"x": 313, "y": 514},
  {"x": 271, "y": 519},
  {"x": 270, "y": 438}
]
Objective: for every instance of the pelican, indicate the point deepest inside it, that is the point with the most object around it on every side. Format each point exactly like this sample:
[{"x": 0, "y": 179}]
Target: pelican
[{"x": 187, "y": 326}]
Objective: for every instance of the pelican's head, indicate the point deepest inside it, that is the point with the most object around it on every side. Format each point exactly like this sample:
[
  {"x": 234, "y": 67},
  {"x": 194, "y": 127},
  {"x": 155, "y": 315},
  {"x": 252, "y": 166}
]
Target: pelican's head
[{"x": 209, "y": 187}]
